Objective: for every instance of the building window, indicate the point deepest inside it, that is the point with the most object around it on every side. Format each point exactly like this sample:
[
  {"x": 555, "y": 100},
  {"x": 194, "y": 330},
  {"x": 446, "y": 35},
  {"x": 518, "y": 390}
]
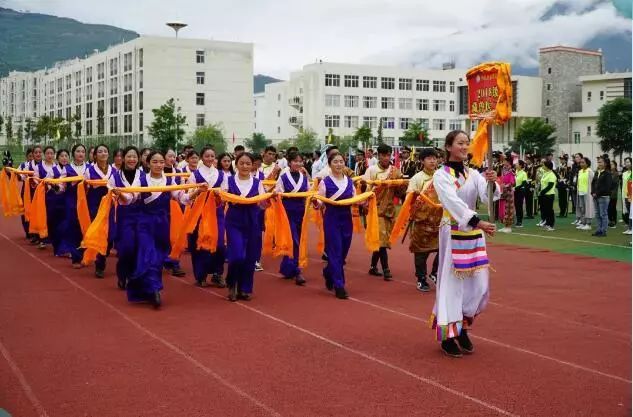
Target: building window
[
  {"x": 77, "y": 79},
  {"x": 114, "y": 125},
  {"x": 127, "y": 82},
  {"x": 101, "y": 89},
  {"x": 278, "y": 113},
  {"x": 78, "y": 95},
  {"x": 588, "y": 130},
  {"x": 627, "y": 87},
  {"x": 601, "y": 95},
  {"x": 549, "y": 70},
  {"x": 439, "y": 124},
  {"x": 127, "y": 123},
  {"x": 68, "y": 82},
  {"x": 88, "y": 75},
  {"x": 332, "y": 100},
  {"x": 404, "y": 123},
  {"x": 370, "y": 82},
  {"x": 370, "y": 121},
  {"x": 200, "y": 120},
  {"x": 199, "y": 57},
  {"x": 439, "y": 86},
  {"x": 140, "y": 100},
  {"x": 451, "y": 87},
  {"x": 370, "y": 102},
  {"x": 422, "y": 104},
  {"x": 114, "y": 105},
  {"x": 60, "y": 85},
  {"x": 405, "y": 103},
  {"x": 332, "y": 80},
  {"x": 114, "y": 86},
  {"x": 101, "y": 71},
  {"x": 200, "y": 99},
  {"x": 351, "y": 81},
  {"x": 127, "y": 103},
  {"x": 388, "y": 122},
  {"x": 114, "y": 66},
  {"x": 439, "y": 105},
  {"x": 140, "y": 79},
  {"x": 88, "y": 127},
  {"x": 127, "y": 62},
  {"x": 451, "y": 105},
  {"x": 140, "y": 63},
  {"x": 588, "y": 95},
  {"x": 278, "y": 97},
  {"x": 332, "y": 120},
  {"x": 454, "y": 124},
  {"x": 351, "y": 101},
  {"x": 549, "y": 87},
  {"x": 200, "y": 78},
  {"x": 140, "y": 122},
  {"x": 387, "y": 103},
  {"x": 547, "y": 102},
  {"x": 576, "y": 137},
  {"x": 405, "y": 84},
  {"x": 547, "y": 120},
  {"x": 387, "y": 83},
  {"x": 88, "y": 110},
  {"x": 350, "y": 122},
  {"x": 422, "y": 85},
  {"x": 278, "y": 130}
]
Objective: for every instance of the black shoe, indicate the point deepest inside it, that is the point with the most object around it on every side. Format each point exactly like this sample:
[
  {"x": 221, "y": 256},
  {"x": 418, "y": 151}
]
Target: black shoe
[
  {"x": 299, "y": 280},
  {"x": 178, "y": 272},
  {"x": 386, "y": 273},
  {"x": 201, "y": 283},
  {"x": 218, "y": 281},
  {"x": 598, "y": 234},
  {"x": 465, "y": 343},
  {"x": 121, "y": 283},
  {"x": 451, "y": 349},
  {"x": 99, "y": 273},
  {"x": 244, "y": 296},
  {"x": 433, "y": 277},
  {"x": 341, "y": 293},
  {"x": 374, "y": 271},
  {"x": 329, "y": 285},
  {"x": 324, "y": 257},
  {"x": 232, "y": 294},
  {"x": 155, "y": 300},
  {"x": 423, "y": 286}
]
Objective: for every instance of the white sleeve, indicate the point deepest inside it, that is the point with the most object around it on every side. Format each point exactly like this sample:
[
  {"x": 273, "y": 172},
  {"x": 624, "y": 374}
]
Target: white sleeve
[
  {"x": 447, "y": 194},
  {"x": 183, "y": 195},
  {"x": 322, "y": 190},
  {"x": 413, "y": 184}
]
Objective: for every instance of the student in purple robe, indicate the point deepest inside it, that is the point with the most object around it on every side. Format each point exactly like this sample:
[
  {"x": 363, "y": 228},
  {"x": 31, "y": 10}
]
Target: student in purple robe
[
  {"x": 337, "y": 223},
  {"x": 203, "y": 261},
  {"x": 24, "y": 166},
  {"x": 38, "y": 155},
  {"x": 293, "y": 180},
  {"x": 257, "y": 172},
  {"x": 58, "y": 203},
  {"x": 173, "y": 265},
  {"x": 72, "y": 235},
  {"x": 243, "y": 229},
  {"x": 144, "y": 164},
  {"x": 225, "y": 164},
  {"x": 99, "y": 170},
  {"x": 48, "y": 168}
]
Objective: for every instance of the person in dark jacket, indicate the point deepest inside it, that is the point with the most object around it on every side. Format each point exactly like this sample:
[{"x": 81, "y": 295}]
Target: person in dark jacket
[
  {"x": 562, "y": 186},
  {"x": 572, "y": 181},
  {"x": 615, "y": 190},
  {"x": 601, "y": 192}
]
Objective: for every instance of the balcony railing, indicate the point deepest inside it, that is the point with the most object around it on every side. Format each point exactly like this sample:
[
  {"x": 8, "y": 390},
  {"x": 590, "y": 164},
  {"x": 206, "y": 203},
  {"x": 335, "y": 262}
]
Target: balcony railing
[
  {"x": 296, "y": 101},
  {"x": 295, "y": 120}
]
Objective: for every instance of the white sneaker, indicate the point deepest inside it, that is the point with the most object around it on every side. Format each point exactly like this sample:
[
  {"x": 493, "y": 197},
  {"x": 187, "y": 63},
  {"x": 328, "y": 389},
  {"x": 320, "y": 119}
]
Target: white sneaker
[
  {"x": 549, "y": 229},
  {"x": 627, "y": 232},
  {"x": 580, "y": 226},
  {"x": 505, "y": 230},
  {"x": 258, "y": 267},
  {"x": 540, "y": 224},
  {"x": 586, "y": 227},
  {"x": 575, "y": 222}
]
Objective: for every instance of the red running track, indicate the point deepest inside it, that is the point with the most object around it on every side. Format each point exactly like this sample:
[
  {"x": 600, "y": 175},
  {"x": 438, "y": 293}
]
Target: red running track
[{"x": 555, "y": 341}]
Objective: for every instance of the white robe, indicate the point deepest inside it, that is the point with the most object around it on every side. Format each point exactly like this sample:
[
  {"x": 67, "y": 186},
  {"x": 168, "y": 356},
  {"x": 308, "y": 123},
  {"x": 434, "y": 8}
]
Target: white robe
[{"x": 459, "y": 298}]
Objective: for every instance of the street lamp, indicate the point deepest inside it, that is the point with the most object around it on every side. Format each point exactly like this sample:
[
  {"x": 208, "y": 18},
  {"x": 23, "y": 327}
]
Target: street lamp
[{"x": 176, "y": 26}]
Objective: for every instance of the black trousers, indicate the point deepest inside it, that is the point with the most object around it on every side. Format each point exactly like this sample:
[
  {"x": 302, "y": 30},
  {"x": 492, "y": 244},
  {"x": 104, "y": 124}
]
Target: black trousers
[
  {"x": 625, "y": 215},
  {"x": 420, "y": 264},
  {"x": 574, "y": 195},
  {"x": 563, "y": 201},
  {"x": 529, "y": 202},
  {"x": 613, "y": 210},
  {"x": 547, "y": 209},
  {"x": 519, "y": 197}
]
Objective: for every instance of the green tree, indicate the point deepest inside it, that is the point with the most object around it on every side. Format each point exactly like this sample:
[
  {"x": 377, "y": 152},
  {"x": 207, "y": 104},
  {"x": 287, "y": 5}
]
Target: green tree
[
  {"x": 363, "y": 135},
  {"x": 9, "y": 129},
  {"x": 29, "y": 129},
  {"x": 77, "y": 121},
  {"x": 416, "y": 135},
  {"x": 285, "y": 144},
  {"x": 42, "y": 127},
  {"x": 167, "y": 127},
  {"x": 379, "y": 137},
  {"x": 1, "y": 123},
  {"x": 534, "y": 135},
  {"x": 257, "y": 143},
  {"x": 306, "y": 140},
  {"x": 65, "y": 129},
  {"x": 614, "y": 126},
  {"x": 19, "y": 137},
  {"x": 213, "y": 135}
]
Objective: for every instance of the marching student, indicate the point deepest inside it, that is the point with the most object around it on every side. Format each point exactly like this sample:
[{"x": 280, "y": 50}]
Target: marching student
[
  {"x": 203, "y": 261},
  {"x": 293, "y": 180},
  {"x": 192, "y": 159},
  {"x": 38, "y": 155},
  {"x": 226, "y": 164},
  {"x": 173, "y": 265},
  {"x": 48, "y": 168},
  {"x": 117, "y": 159},
  {"x": 257, "y": 172},
  {"x": 462, "y": 285},
  {"x": 72, "y": 235},
  {"x": 144, "y": 161},
  {"x": 385, "y": 195},
  {"x": 25, "y": 166}
]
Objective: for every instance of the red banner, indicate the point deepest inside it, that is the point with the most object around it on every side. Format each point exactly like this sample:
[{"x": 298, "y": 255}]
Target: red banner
[{"x": 483, "y": 94}]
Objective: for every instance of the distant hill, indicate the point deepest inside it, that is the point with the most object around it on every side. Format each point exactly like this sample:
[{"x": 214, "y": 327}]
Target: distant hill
[{"x": 260, "y": 81}]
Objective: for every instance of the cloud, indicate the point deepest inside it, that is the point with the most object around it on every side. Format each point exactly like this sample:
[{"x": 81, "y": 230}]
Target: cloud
[{"x": 288, "y": 34}]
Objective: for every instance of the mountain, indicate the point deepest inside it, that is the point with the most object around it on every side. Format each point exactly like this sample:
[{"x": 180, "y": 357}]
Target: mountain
[
  {"x": 32, "y": 41},
  {"x": 260, "y": 81}
]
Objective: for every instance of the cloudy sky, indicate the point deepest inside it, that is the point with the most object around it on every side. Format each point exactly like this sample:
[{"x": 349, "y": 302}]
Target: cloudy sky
[{"x": 288, "y": 34}]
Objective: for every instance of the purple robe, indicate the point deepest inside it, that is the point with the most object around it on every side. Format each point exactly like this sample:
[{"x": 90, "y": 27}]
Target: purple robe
[
  {"x": 295, "y": 208},
  {"x": 54, "y": 209},
  {"x": 338, "y": 229},
  {"x": 70, "y": 229},
  {"x": 93, "y": 197}
]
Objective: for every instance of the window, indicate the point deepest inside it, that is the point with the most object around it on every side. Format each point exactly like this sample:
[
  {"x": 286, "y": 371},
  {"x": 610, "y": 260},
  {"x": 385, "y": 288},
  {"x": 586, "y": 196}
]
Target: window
[
  {"x": 88, "y": 75},
  {"x": 588, "y": 95},
  {"x": 199, "y": 57},
  {"x": 332, "y": 121},
  {"x": 77, "y": 79},
  {"x": 451, "y": 87},
  {"x": 388, "y": 123},
  {"x": 278, "y": 97},
  {"x": 549, "y": 87},
  {"x": 424, "y": 123},
  {"x": 387, "y": 83},
  {"x": 422, "y": 104},
  {"x": 78, "y": 95},
  {"x": 405, "y": 84},
  {"x": 127, "y": 62},
  {"x": 332, "y": 80},
  {"x": 278, "y": 130},
  {"x": 114, "y": 86},
  {"x": 140, "y": 64},
  {"x": 200, "y": 120},
  {"x": 454, "y": 124},
  {"x": 114, "y": 66},
  {"x": 140, "y": 122},
  {"x": 68, "y": 113},
  {"x": 200, "y": 78},
  {"x": 370, "y": 102},
  {"x": 350, "y": 122},
  {"x": 68, "y": 82},
  {"x": 60, "y": 84},
  {"x": 332, "y": 100},
  {"x": 370, "y": 82},
  {"x": 101, "y": 89},
  {"x": 351, "y": 81},
  {"x": 127, "y": 123},
  {"x": 547, "y": 120},
  {"x": 370, "y": 122},
  {"x": 547, "y": 102},
  {"x": 451, "y": 105},
  {"x": 439, "y": 86},
  {"x": 439, "y": 124},
  {"x": 200, "y": 99},
  {"x": 140, "y": 100},
  {"x": 422, "y": 85},
  {"x": 404, "y": 123},
  {"x": 89, "y": 127},
  {"x": 52, "y": 88},
  {"x": 278, "y": 113},
  {"x": 387, "y": 103},
  {"x": 114, "y": 125},
  {"x": 588, "y": 130},
  {"x": 88, "y": 111},
  {"x": 140, "y": 79},
  {"x": 78, "y": 110},
  {"x": 576, "y": 137},
  {"x": 549, "y": 70},
  {"x": 114, "y": 105},
  {"x": 601, "y": 95},
  {"x": 127, "y": 103},
  {"x": 101, "y": 71},
  {"x": 351, "y": 101},
  {"x": 405, "y": 103},
  {"x": 439, "y": 105}
]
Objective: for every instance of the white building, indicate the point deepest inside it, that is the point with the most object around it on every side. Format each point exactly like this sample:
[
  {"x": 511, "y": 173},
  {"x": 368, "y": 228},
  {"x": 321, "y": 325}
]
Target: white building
[
  {"x": 596, "y": 90},
  {"x": 114, "y": 91}
]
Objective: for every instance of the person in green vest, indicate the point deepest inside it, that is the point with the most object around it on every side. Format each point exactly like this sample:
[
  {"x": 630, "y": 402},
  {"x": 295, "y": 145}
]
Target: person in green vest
[
  {"x": 626, "y": 196},
  {"x": 584, "y": 204},
  {"x": 520, "y": 192},
  {"x": 548, "y": 194}
]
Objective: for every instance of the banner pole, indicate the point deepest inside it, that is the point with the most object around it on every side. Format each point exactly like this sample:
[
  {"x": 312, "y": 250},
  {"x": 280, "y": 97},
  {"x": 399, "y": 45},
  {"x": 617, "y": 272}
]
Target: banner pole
[{"x": 491, "y": 185}]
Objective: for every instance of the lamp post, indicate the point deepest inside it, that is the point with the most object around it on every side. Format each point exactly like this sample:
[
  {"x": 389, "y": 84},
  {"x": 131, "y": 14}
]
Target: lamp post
[{"x": 176, "y": 26}]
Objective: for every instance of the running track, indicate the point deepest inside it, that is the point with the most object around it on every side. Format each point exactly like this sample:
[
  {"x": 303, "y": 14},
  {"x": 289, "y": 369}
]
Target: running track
[{"x": 555, "y": 341}]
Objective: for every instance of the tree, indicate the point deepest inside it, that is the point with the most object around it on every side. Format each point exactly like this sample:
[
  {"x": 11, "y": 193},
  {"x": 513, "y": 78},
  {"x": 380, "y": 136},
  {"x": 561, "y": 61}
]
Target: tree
[
  {"x": 64, "y": 129},
  {"x": 9, "y": 129},
  {"x": 363, "y": 135},
  {"x": 285, "y": 144},
  {"x": 28, "y": 129},
  {"x": 416, "y": 135},
  {"x": 257, "y": 143},
  {"x": 379, "y": 138},
  {"x": 18, "y": 138},
  {"x": 614, "y": 126},
  {"x": 534, "y": 135},
  {"x": 213, "y": 135},
  {"x": 42, "y": 127},
  {"x": 1, "y": 123},
  {"x": 77, "y": 120},
  {"x": 306, "y": 140},
  {"x": 167, "y": 127}
]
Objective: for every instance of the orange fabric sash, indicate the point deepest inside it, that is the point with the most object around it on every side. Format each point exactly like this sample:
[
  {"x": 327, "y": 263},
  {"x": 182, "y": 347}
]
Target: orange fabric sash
[
  {"x": 405, "y": 214},
  {"x": 95, "y": 239},
  {"x": 4, "y": 193},
  {"x": 15, "y": 200},
  {"x": 37, "y": 216}
]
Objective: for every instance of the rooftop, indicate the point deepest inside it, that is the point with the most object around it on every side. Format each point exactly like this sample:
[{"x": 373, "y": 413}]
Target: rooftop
[{"x": 561, "y": 48}]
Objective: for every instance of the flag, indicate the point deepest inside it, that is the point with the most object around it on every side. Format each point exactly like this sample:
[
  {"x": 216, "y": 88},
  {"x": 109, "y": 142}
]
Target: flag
[{"x": 329, "y": 138}]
